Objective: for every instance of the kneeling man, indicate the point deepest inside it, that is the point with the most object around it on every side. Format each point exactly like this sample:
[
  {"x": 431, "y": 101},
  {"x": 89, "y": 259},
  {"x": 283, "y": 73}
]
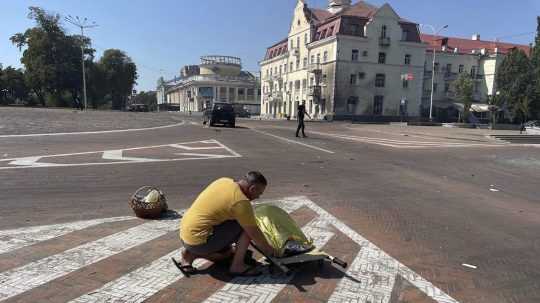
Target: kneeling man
[{"x": 221, "y": 216}]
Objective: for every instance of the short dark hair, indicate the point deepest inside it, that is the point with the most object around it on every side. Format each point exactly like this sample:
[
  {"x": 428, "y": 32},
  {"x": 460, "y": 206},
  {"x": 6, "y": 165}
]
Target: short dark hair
[{"x": 255, "y": 178}]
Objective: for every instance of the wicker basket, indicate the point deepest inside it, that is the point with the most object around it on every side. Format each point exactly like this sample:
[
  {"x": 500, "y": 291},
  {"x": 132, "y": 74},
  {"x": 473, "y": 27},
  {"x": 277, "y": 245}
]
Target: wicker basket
[{"x": 145, "y": 208}]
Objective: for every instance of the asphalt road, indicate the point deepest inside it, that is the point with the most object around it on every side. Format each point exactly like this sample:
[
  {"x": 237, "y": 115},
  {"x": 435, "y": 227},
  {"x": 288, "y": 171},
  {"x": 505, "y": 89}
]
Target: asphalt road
[{"x": 433, "y": 199}]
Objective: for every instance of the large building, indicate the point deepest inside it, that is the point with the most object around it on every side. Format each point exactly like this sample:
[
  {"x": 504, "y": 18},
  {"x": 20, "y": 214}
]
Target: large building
[
  {"x": 359, "y": 60},
  {"x": 347, "y": 60},
  {"x": 479, "y": 58},
  {"x": 216, "y": 78}
]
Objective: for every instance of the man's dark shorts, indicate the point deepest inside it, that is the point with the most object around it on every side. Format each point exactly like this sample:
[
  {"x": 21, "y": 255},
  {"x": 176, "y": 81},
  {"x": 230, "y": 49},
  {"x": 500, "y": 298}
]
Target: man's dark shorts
[{"x": 221, "y": 239}]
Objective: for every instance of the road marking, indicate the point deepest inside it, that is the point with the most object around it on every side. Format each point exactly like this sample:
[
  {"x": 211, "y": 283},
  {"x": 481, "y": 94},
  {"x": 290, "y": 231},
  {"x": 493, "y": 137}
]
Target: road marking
[
  {"x": 293, "y": 141},
  {"x": 406, "y": 144},
  {"x": 376, "y": 270},
  {"x": 140, "y": 284},
  {"x": 118, "y": 158},
  {"x": 42, "y": 271},
  {"x": 21, "y": 237},
  {"x": 95, "y": 132},
  {"x": 146, "y": 281},
  {"x": 372, "y": 262},
  {"x": 265, "y": 288}
]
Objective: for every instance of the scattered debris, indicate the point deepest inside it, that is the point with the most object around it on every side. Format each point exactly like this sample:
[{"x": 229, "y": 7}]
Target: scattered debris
[
  {"x": 493, "y": 189},
  {"x": 469, "y": 266}
]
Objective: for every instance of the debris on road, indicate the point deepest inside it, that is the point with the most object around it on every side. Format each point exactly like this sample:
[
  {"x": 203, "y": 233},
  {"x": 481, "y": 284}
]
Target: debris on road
[{"x": 469, "y": 266}]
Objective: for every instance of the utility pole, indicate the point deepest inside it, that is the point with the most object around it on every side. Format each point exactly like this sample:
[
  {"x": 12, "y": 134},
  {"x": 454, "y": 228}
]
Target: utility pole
[
  {"x": 435, "y": 33},
  {"x": 82, "y": 24}
]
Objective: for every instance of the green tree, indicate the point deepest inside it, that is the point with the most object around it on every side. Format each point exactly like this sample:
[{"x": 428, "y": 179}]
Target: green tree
[
  {"x": 51, "y": 58},
  {"x": 12, "y": 85},
  {"x": 535, "y": 62},
  {"x": 515, "y": 80},
  {"x": 121, "y": 75},
  {"x": 464, "y": 87}
]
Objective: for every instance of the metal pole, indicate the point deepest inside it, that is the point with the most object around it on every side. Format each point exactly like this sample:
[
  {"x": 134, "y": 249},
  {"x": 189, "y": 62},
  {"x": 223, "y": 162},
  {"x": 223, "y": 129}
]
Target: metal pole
[
  {"x": 432, "y": 85},
  {"x": 83, "y": 71}
]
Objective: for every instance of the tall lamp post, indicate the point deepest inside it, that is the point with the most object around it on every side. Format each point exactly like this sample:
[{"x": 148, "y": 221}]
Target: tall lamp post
[
  {"x": 82, "y": 24},
  {"x": 435, "y": 33}
]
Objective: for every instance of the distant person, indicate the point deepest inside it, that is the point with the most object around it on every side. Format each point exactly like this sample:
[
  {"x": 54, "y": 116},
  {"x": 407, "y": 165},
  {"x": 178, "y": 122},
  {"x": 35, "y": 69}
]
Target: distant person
[
  {"x": 221, "y": 216},
  {"x": 300, "y": 116}
]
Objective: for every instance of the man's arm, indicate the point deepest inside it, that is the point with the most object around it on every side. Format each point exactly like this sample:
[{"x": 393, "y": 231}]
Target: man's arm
[{"x": 257, "y": 236}]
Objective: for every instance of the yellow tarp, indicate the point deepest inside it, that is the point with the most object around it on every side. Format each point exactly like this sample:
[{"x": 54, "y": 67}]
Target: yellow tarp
[{"x": 278, "y": 227}]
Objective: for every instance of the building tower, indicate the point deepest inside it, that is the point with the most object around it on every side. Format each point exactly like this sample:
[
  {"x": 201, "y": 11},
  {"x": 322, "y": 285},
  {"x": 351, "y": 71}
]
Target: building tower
[{"x": 335, "y": 6}]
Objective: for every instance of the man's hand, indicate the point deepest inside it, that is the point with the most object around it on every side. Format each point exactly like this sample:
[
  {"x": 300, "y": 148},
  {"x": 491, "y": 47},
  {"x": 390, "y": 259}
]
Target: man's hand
[{"x": 258, "y": 237}]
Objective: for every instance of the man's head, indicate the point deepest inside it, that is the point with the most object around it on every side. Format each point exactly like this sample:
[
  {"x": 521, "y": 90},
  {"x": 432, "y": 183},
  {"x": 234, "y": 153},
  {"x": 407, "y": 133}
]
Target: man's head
[{"x": 253, "y": 184}]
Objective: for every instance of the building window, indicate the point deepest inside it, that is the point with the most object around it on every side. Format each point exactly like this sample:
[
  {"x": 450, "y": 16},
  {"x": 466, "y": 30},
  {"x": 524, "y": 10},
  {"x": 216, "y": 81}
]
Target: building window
[
  {"x": 405, "y": 35},
  {"x": 364, "y": 53},
  {"x": 354, "y": 56},
  {"x": 473, "y": 71},
  {"x": 318, "y": 58},
  {"x": 446, "y": 87},
  {"x": 311, "y": 80},
  {"x": 382, "y": 58},
  {"x": 306, "y": 39},
  {"x": 353, "y": 79},
  {"x": 361, "y": 75},
  {"x": 292, "y": 67},
  {"x": 325, "y": 56},
  {"x": 407, "y": 59},
  {"x": 378, "y": 105},
  {"x": 448, "y": 68},
  {"x": 280, "y": 69},
  {"x": 355, "y": 30},
  {"x": 461, "y": 68},
  {"x": 405, "y": 83},
  {"x": 290, "y": 86},
  {"x": 297, "y": 85},
  {"x": 285, "y": 68},
  {"x": 435, "y": 85},
  {"x": 232, "y": 94},
  {"x": 305, "y": 62},
  {"x": 379, "y": 80},
  {"x": 298, "y": 41},
  {"x": 312, "y": 59},
  {"x": 292, "y": 43},
  {"x": 241, "y": 93},
  {"x": 304, "y": 84},
  {"x": 297, "y": 64},
  {"x": 436, "y": 66},
  {"x": 383, "y": 31},
  {"x": 275, "y": 70},
  {"x": 324, "y": 78}
]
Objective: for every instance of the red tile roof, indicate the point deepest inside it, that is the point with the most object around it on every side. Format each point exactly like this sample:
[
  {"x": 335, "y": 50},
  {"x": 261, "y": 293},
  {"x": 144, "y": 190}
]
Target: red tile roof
[{"x": 466, "y": 46}]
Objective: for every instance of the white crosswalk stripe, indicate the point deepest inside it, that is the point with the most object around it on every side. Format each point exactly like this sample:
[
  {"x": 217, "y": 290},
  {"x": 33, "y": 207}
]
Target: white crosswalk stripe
[
  {"x": 370, "y": 277},
  {"x": 265, "y": 288},
  {"x": 18, "y": 238},
  {"x": 19, "y": 280}
]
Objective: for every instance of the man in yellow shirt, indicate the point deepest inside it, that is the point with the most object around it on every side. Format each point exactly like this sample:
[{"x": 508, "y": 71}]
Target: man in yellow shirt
[{"x": 222, "y": 215}]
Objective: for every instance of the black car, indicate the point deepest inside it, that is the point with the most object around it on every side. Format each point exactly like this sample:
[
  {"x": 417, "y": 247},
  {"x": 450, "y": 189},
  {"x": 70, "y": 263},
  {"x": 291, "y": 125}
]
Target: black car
[
  {"x": 138, "y": 108},
  {"x": 242, "y": 112},
  {"x": 220, "y": 113}
]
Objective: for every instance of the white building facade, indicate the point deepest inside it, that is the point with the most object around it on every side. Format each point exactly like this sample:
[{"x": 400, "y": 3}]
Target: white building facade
[
  {"x": 349, "y": 60},
  {"x": 215, "y": 79},
  {"x": 366, "y": 62}
]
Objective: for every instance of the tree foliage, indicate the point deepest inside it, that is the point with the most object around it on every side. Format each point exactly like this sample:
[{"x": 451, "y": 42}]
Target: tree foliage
[
  {"x": 464, "y": 87},
  {"x": 516, "y": 82},
  {"x": 53, "y": 67}
]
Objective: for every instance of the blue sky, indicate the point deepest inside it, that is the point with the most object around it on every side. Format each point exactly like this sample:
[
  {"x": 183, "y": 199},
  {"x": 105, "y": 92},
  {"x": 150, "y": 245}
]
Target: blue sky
[{"x": 163, "y": 35}]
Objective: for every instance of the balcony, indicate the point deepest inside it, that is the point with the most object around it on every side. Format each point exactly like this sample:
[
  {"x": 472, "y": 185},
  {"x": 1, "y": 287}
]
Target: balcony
[
  {"x": 315, "y": 68},
  {"x": 384, "y": 41}
]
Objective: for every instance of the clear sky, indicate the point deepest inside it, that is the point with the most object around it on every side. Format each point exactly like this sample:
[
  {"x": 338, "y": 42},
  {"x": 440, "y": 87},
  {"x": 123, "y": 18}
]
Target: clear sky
[{"x": 163, "y": 35}]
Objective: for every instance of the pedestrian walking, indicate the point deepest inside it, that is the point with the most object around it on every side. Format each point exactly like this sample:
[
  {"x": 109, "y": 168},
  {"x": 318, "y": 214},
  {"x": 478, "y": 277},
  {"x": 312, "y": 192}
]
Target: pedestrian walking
[{"x": 300, "y": 116}]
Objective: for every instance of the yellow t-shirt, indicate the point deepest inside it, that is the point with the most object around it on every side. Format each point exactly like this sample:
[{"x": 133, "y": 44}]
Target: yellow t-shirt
[{"x": 221, "y": 201}]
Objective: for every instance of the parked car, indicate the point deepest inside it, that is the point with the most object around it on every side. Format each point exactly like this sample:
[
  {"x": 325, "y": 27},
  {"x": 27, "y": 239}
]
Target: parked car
[
  {"x": 533, "y": 127},
  {"x": 242, "y": 112},
  {"x": 138, "y": 108},
  {"x": 220, "y": 113}
]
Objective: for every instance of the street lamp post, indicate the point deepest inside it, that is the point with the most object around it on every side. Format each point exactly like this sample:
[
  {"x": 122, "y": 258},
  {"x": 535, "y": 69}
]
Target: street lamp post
[
  {"x": 82, "y": 24},
  {"x": 435, "y": 33}
]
